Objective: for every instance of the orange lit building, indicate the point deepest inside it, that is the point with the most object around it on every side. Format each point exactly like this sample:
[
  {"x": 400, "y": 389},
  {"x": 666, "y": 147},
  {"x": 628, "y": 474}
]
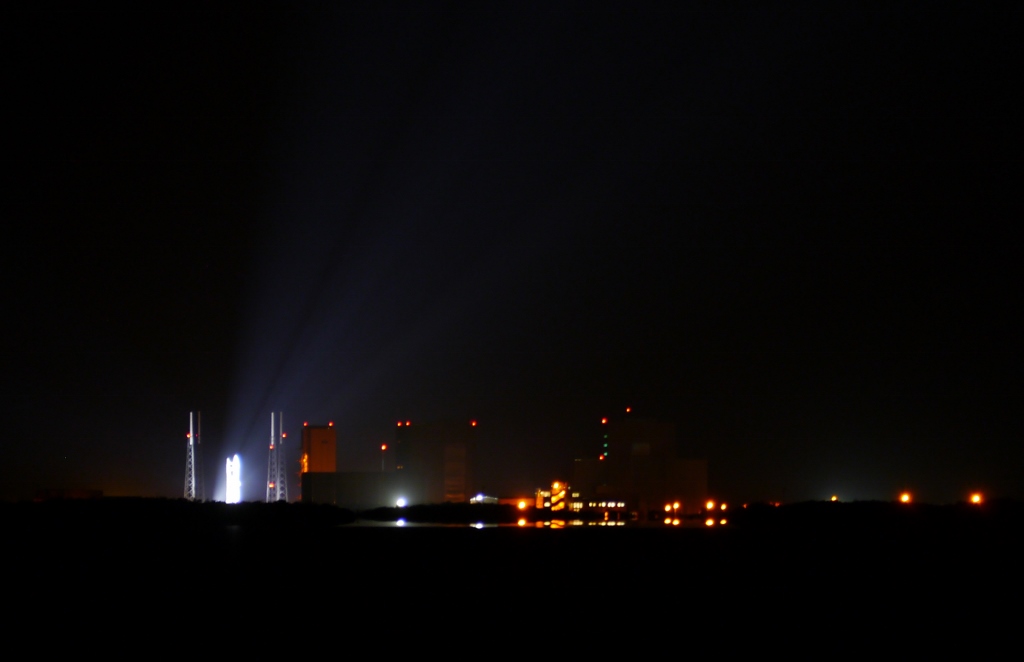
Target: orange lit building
[{"x": 319, "y": 449}]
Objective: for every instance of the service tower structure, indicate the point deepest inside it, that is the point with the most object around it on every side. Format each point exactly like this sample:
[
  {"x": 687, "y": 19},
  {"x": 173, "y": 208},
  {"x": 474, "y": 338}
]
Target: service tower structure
[{"x": 277, "y": 476}]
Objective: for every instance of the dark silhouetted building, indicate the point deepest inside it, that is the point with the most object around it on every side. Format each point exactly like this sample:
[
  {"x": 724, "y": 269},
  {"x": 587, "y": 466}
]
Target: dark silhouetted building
[
  {"x": 637, "y": 465},
  {"x": 435, "y": 461}
]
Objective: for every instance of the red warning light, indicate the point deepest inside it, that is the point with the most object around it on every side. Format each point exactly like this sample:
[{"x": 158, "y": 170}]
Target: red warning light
[
  {"x": 383, "y": 447},
  {"x": 473, "y": 423},
  {"x": 600, "y": 457},
  {"x": 407, "y": 424},
  {"x": 305, "y": 424},
  {"x": 330, "y": 424},
  {"x": 604, "y": 421},
  {"x": 399, "y": 423},
  {"x": 629, "y": 409},
  {"x": 284, "y": 434}
]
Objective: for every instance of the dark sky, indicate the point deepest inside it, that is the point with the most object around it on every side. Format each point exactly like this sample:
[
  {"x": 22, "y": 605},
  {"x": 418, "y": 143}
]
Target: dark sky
[{"x": 790, "y": 230}]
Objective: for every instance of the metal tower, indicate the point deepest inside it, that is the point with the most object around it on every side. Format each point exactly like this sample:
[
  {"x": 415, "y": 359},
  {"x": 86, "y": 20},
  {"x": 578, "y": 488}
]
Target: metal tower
[
  {"x": 277, "y": 476},
  {"x": 194, "y": 490}
]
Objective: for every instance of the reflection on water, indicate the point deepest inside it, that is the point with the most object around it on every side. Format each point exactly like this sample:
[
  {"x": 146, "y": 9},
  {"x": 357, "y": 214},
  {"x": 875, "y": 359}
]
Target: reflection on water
[
  {"x": 561, "y": 524},
  {"x": 522, "y": 523}
]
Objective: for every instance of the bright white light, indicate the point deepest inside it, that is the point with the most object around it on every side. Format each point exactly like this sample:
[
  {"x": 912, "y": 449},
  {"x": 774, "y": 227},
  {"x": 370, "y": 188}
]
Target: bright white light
[
  {"x": 478, "y": 525},
  {"x": 234, "y": 487},
  {"x": 401, "y": 502},
  {"x": 400, "y": 522}
]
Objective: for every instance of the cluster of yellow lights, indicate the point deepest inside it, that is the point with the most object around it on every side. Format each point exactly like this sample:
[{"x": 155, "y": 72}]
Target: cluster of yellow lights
[{"x": 672, "y": 522}]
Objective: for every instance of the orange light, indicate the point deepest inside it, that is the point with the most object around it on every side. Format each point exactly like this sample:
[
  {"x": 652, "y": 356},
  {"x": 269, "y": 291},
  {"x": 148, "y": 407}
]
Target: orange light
[
  {"x": 399, "y": 423},
  {"x": 975, "y": 498},
  {"x": 723, "y": 522},
  {"x": 305, "y": 423},
  {"x": 629, "y": 409},
  {"x": 676, "y": 505},
  {"x": 710, "y": 505},
  {"x": 383, "y": 447},
  {"x": 723, "y": 506},
  {"x": 330, "y": 424},
  {"x": 835, "y": 498},
  {"x": 604, "y": 421},
  {"x": 284, "y": 434},
  {"x": 905, "y": 497},
  {"x": 668, "y": 520},
  {"x": 709, "y": 521},
  {"x": 522, "y": 522},
  {"x": 473, "y": 423},
  {"x": 271, "y": 484},
  {"x": 667, "y": 508},
  {"x": 408, "y": 423},
  {"x": 675, "y": 522},
  {"x": 522, "y": 505},
  {"x": 600, "y": 457}
]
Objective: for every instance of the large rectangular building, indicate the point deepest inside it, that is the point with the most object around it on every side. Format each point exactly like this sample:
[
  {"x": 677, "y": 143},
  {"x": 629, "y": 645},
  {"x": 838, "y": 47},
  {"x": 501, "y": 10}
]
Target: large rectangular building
[{"x": 435, "y": 461}]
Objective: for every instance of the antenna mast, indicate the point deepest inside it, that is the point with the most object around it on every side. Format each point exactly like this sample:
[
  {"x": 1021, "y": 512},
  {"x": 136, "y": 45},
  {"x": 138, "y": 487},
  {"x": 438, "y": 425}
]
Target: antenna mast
[{"x": 277, "y": 477}]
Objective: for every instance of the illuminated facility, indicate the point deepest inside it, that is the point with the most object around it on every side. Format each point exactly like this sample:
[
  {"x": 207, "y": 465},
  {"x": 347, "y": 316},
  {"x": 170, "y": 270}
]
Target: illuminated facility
[{"x": 637, "y": 471}]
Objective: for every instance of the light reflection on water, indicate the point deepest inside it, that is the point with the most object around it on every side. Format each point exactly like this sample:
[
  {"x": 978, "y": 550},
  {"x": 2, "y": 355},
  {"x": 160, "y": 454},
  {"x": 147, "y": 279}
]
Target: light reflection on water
[{"x": 546, "y": 524}]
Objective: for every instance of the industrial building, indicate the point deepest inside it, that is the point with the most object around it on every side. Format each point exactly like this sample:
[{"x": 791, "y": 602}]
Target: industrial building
[
  {"x": 435, "y": 461},
  {"x": 637, "y": 469},
  {"x": 427, "y": 463},
  {"x": 319, "y": 448}
]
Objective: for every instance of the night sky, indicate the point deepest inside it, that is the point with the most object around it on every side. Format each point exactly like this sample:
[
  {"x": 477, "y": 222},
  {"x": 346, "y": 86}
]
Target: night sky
[{"x": 790, "y": 230}]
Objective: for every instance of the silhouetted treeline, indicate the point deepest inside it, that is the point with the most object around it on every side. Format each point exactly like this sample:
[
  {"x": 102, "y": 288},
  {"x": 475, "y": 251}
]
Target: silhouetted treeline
[
  {"x": 143, "y": 513},
  {"x": 875, "y": 515}
]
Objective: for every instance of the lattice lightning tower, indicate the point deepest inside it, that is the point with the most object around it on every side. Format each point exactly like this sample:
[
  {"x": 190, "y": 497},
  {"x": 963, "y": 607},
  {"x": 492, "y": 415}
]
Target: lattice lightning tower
[
  {"x": 194, "y": 490},
  {"x": 277, "y": 476}
]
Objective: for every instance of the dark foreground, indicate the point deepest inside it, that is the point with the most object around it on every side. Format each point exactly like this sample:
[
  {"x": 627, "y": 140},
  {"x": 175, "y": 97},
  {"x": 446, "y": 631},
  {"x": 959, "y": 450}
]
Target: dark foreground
[{"x": 133, "y": 556}]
